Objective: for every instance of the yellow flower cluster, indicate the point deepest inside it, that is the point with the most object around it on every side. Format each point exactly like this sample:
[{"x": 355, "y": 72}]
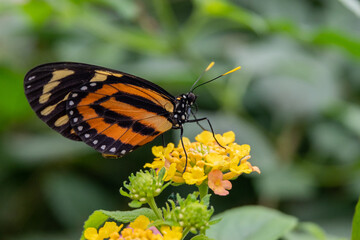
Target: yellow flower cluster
[
  {"x": 109, "y": 230},
  {"x": 207, "y": 161},
  {"x": 137, "y": 230}
]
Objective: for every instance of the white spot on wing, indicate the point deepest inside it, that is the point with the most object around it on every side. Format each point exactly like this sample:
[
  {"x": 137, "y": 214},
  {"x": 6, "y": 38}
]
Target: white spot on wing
[
  {"x": 87, "y": 136},
  {"x": 71, "y": 103},
  {"x": 103, "y": 147},
  {"x": 93, "y": 84},
  {"x": 123, "y": 151},
  {"x": 31, "y": 78},
  {"x": 83, "y": 88},
  {"x": 75, "y": 120},
  {"x": 113, "y": 149},
  {"x": 95, "y": 142},
  {"x": 80, "y": 128},
  {"x": 29, "y": 86},
  {"x": 71, "y": 112},
  {"x": 74, "y": 95}
]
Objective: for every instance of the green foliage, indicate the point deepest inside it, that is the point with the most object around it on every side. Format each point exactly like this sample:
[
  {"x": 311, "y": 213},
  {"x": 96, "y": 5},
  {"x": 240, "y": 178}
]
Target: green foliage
[
  {"x": 252, "y": 223},
  {"x": 295, "y": 101},
  {"x": 201, "y": 237},
  {"x": 356, "y": 223},
  {"x": 308, "y": 231}
]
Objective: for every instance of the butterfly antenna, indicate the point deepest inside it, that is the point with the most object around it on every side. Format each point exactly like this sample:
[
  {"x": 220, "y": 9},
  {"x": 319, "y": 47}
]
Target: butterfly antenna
[
  {"x": 202, "y": 74},
  {"x": 231, "y": 71}
]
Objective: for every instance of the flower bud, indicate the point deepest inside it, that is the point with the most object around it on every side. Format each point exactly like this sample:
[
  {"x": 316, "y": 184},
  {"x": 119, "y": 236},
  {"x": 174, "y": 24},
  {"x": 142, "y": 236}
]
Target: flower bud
[
  {"x": 144, "y": 185},
  {"x": 190, "y": 213}
]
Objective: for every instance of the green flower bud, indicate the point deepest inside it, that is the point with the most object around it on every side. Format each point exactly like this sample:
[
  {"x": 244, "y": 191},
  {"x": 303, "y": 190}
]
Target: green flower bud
[
  {"x": 143, "y": 186},
  {"x": 190, "y": 213}
]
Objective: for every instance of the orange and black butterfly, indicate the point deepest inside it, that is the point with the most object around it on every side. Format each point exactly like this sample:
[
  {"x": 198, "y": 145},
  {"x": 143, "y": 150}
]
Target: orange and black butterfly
[{"x": 112, "y": 111}]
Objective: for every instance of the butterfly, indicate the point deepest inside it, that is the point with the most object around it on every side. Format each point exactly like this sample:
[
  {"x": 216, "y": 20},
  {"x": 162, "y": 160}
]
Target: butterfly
[{"x": 111, "y": 111}]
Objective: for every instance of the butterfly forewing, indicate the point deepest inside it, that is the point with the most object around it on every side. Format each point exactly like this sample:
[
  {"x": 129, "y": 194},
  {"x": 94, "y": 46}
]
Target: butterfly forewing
[
  {"x": 112, "y": 111},
  {"x": 115, "y": 117}
]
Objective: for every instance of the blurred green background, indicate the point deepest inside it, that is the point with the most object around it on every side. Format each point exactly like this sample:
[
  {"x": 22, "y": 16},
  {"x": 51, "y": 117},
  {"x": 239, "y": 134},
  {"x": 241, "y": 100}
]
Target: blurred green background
[{"x": 295, "y": 101}]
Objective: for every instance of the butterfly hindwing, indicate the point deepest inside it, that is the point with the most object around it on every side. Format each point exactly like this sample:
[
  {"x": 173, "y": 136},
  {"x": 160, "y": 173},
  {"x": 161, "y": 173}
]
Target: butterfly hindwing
[
  {"x": 115, "y": 117},
  {"x": 47, "y": 88}
]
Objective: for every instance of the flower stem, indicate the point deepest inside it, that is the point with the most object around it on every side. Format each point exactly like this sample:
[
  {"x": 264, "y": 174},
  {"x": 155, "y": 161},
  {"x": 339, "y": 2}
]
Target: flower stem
[
  {"x": 203, "y": 189},
  {"x": 153, "y": 206},
  {"x": 185, "y": 232}
]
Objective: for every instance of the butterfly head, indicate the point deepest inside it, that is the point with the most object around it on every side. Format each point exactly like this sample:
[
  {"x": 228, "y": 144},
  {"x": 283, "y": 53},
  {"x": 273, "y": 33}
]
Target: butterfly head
[{"x": 191, "y": 98}]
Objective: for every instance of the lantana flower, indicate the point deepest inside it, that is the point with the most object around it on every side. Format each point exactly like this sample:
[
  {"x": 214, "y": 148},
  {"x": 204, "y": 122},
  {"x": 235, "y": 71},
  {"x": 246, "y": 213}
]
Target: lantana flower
[
  {"x": 109, "y": 230},
  {"x": 217, "y": 184},
  {"x": 138, "y": 229},
  {"x": 207, "y": 162}
]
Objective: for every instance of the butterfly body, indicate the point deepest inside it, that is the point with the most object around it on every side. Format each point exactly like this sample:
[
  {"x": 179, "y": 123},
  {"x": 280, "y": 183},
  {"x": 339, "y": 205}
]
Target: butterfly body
[
  {"x": 112, "y": 111},
  {"x": 183, "y": 104}
]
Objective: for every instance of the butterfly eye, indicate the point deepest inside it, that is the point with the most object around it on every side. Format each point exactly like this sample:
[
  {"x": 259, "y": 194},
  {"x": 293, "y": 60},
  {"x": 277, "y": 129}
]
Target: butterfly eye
[{"x": 191, "y": 98}]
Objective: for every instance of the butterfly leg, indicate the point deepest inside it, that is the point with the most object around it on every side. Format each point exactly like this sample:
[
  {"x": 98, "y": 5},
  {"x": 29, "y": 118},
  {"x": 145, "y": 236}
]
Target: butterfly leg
[
  {"x": 197, "y": 122},
  {"x": 182, "y": 144},
  {"x": 212, "y": 130},
  {"x": 163, "y": 140}
]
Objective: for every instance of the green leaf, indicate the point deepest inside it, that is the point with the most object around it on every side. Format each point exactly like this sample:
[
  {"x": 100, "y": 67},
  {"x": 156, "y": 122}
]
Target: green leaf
[
  {"x": 128, "y": 216},
  {"x": 206, "y": 199},
  {"x": 272, "y": 183},
  {"x": 161, "y": 173},
  {"x": 215, "y": 221},
  {"x": 313, "y": 229},
  {"x": 135, "y": 204},
  {"x": 161, "y": 222},
  {"x": 201, "y": 237},
  {"x": 122, "y": 192},
  {"x": 252, "y": 223},
  {"x": 307, "y": 231},
  {"x": 322, "y": 36},
  {"x": 356, "y": 223},
  {"x": 340, "y": 39},
  {"x": 96, "y": 219}
]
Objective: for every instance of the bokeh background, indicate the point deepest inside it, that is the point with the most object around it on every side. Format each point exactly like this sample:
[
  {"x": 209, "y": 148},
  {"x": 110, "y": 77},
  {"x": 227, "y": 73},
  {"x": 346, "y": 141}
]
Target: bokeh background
[{"x": 295, "y": 101}]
